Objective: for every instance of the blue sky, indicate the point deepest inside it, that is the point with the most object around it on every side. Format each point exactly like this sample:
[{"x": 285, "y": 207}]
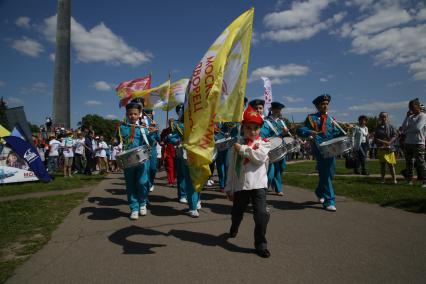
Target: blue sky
[{"x": 370, "y": 55}]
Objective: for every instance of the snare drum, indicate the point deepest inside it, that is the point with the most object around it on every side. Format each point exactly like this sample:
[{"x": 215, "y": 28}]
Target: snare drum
[
  {"x": 290, "y": 144},
  {"x": 278, "y": 150},
  {"x": 133, "y": 157},
  {"x": 335, "y": 146},
  {"x": 225, "y": 143}
]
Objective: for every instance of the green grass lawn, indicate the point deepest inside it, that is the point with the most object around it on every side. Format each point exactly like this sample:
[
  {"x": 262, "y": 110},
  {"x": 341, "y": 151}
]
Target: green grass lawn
[
  {"x": 27, "y": 224},
  {"x": 368, "y": 189},
  {"x": 59, "y": 183},
  {"x": 373, "y": 167}
]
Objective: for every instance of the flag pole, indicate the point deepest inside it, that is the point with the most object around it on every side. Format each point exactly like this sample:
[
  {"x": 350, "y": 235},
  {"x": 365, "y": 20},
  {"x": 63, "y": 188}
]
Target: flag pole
[{"x": 168, "y": 99}]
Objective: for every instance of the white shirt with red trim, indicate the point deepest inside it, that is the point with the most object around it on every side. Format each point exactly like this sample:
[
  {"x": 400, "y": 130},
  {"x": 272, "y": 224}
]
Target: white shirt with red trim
[{"x": 248, "y": 168}]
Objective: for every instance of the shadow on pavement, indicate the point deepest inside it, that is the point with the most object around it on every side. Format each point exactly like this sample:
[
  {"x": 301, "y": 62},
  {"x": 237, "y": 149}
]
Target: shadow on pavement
[
  {"x": 131, "y": 247},
  {"x": 217, "y": 208},
  {"x": 161, "y": 210},
  {"x": 103, "y": 213},
  {"x": 107, "y": 201},
  {"x": 208, "y": 240},
  {"x": 289, "y": 205}
]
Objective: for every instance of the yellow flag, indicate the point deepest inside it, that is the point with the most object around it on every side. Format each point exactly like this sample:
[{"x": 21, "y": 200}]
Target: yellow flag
[
  {"x": 154, "y": 97},
  {"x": 216, "y": 93}
]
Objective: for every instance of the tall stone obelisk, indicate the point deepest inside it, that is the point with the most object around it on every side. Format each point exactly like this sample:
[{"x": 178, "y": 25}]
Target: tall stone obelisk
[{"x": 61, "y": 90}]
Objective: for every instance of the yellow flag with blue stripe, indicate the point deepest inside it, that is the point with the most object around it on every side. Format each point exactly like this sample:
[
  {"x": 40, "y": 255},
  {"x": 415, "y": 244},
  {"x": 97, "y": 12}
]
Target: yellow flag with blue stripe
[{"x": 216, "y": 93}]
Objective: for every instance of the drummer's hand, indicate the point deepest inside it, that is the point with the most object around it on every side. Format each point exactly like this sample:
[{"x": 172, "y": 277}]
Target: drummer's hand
[
  {"x": 314, "y": 133},
  {"x": 230, "y": 196},
  {"x": 143, "y": 124},
  {"x": 237, "y": 146}
]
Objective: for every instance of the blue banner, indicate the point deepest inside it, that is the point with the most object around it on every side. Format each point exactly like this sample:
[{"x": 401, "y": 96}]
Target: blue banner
[{"x": 30, "y": 155}]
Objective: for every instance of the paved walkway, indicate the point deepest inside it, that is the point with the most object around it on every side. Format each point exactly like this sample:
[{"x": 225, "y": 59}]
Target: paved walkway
[{"x": 97, "y": 243}]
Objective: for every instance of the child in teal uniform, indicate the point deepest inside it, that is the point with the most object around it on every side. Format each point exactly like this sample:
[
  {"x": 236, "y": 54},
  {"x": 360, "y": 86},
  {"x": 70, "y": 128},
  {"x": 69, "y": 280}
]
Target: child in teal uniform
[
  {"x": 186, "y": 192},
  {"x": 137, "y": 177},
  {"x": 320, "y": 128},
  {"x": 149, "y": 121},
  {"x": 274, "y": 126}
]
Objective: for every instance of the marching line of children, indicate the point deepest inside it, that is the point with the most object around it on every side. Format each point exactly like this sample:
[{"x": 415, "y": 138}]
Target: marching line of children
[{"x": 244, "y": 171}]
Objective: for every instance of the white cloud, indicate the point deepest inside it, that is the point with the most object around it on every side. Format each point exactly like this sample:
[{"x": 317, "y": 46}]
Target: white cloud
[
  {"x": 93, "y": 103},
  {"x": 301, "y": 14},
  {"x": 28, "y": 46},
  {"x": 102, "y": 86},
  {"x": 13, "y": 101},
  {"x": 382, "y": 20},
  {"x": 291, "y": 99},
  {"x": 421, "y": 15},
  {"x": 278, "y": 74},
  {"x": 302, "y": 21},
  {"x": 52, "y": 56},
  {"x": 35, "y": 89},
  {"x": 111, "y": 116},
  {"x": 379, "y": 106},
  {"x": 326, "y": 78},
  {"x": 23, "y": 22},
  {"x": 390, "y": 33},
  {"x": 98, "y": 44},
  {"x": 298, "y": 110}
]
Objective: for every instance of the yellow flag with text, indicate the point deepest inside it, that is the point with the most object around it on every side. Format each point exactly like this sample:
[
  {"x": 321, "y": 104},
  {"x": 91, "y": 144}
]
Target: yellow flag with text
[{"x": 216, "y": 93}]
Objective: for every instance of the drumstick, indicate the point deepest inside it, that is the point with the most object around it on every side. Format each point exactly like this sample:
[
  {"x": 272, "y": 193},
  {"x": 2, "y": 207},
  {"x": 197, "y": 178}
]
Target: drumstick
[{"x": 337, "y": 125}]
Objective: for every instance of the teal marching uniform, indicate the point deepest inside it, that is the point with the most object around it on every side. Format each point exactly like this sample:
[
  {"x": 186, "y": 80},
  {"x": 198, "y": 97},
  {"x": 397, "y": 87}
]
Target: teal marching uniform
[
  {"x": 184, "y": 182},
  {"x": 275, "y": 169},
  {"x": 137, "y": 177},
  {"x": 153, "y": 159},
  {"x": 175, "y": 138},
  {"x": 275, "y": 127},
  {"x": 225, "y": 130},
  {"x": 326, "y": 166}
]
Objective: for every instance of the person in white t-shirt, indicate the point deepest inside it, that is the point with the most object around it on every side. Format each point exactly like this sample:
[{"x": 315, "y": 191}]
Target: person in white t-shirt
[
  {"x": 79, "y": 153},
  {"x": 116, "y": 149},
  {"x": 68, "y": 153},
  {"x": 53, "y": 154},
  {"x": 95, "y": 150},
  {"x": 103, "y": 161}
]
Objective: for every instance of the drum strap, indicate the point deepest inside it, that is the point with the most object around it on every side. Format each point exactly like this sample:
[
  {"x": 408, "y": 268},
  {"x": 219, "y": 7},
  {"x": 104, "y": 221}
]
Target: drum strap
[
  {"x": 271, "y": 126},
  {"x": 144, "y": 137}
]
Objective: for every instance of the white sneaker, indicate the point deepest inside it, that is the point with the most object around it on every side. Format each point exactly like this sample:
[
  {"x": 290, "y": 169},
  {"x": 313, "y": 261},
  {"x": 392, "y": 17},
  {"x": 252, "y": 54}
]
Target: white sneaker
[
  {"x": 151, "y": 189},
  {"x": 194, "y": 213},
  {"x": 424, "y": 185},
  {"x": 210, "y": 182},
  {"x": 183, "y": 200},
  {"x": 321, "y": 200},
  {"x": 142, "y": 210},
  {"x": 134, "y": 215},
  {"x": 199, "y": 205},
  {"x": 331, "y": 208}
]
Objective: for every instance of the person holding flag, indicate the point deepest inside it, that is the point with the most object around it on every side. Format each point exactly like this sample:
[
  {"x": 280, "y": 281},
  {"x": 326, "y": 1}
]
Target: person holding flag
[
  {"x": 224, "y": 130},
  {"x": 274, "y": 126},
  {"x": 149, "y": 122},
  {"x": 186, "y": 192},
  {"x": 216, "y": 94}
]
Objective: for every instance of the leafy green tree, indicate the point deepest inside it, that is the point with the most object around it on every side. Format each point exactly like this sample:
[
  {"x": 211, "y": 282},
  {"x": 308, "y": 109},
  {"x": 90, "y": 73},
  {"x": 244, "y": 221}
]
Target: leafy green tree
[
  {"x": 372, "y": 123},
  {"x": 100, "y": 125},
  {"x": 34, "y": 128},
  {"x": 3, "y": 108}
]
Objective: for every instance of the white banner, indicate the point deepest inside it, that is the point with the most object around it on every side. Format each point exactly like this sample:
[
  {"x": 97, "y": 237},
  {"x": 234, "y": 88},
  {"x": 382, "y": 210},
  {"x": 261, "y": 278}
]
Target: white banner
[{"x": 267, "y": 94}]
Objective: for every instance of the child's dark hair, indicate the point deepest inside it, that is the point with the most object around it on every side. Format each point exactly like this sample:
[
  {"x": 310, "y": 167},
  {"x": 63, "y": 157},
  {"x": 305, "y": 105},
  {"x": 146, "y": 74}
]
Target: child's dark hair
[{"x": 134, "y": 106}]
